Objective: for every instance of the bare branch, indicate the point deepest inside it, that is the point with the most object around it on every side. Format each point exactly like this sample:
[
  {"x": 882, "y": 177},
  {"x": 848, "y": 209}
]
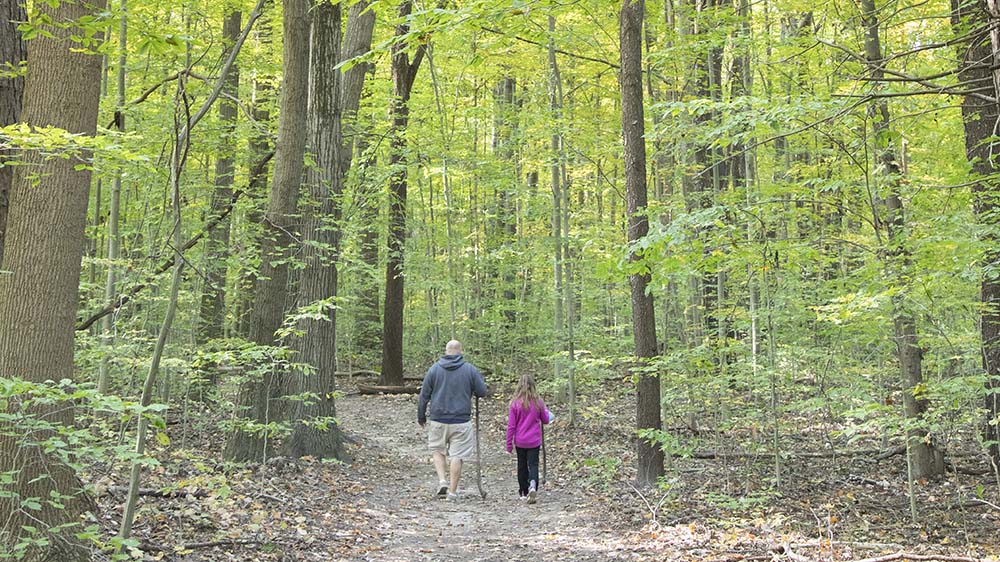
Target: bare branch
[{"x": 560, "y": 51}]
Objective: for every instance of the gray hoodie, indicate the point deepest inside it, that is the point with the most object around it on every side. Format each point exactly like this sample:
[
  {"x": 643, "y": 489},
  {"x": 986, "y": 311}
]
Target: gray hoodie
[{"x": 448, "y": 388}]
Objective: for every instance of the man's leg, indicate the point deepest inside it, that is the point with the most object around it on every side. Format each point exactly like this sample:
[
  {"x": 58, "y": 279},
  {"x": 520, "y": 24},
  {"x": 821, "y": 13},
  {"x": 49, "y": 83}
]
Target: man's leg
[
  {"x": 439, "y": 463},
  {"x": 438, "y": 444},
  {"x": 456, "y": 473}
]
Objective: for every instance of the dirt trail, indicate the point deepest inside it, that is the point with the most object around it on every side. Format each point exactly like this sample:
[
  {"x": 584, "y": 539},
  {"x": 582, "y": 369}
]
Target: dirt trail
[{"x": 390, "y": 448}]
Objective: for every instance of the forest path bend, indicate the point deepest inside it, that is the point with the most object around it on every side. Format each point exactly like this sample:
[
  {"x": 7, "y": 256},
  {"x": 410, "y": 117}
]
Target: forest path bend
[{"x": 390, "y": 449}]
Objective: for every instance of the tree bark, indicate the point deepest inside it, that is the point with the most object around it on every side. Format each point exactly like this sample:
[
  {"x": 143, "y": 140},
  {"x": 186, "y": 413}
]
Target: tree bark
[
  {"x": 315, "y": 432},
  {"x": 978, "y": 59},
  {"x": 12, "y": 55},
  {"x": 38, "y": 298},
  {"x": 650, "y": 456},
  {"x": 926, "y": 459},
  {"x": 213, "y": 297},
  {"x": 403, "y": 74},
  {"x": 258, "y": 399}
]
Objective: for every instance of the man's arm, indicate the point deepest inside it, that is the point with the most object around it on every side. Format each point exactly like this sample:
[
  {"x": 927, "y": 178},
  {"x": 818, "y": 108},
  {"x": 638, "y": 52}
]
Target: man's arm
[
  {"x": 478, "y": 384},
  {"x": 425, "y": 396}
]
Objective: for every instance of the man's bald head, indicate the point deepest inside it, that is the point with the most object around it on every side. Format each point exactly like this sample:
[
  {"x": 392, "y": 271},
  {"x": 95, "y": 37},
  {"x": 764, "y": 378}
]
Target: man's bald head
[{"x": 454, "y": 347}]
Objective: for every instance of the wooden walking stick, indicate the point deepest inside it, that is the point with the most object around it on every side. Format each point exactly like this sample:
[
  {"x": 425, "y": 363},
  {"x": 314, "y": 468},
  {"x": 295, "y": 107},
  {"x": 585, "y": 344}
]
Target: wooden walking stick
[
  {"x": 479, "y": 464},
  {"x": 545, "y": 468}
]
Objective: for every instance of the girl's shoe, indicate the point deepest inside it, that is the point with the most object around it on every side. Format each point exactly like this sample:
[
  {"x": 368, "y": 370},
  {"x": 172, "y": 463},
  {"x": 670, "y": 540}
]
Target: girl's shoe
[
  {"x": 442, "y": 489},
  {"x": 532, "y": 493}
]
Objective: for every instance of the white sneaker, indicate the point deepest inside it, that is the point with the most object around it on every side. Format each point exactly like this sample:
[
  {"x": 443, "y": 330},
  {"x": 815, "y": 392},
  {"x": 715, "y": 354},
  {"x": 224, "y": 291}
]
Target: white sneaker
[
  {"x": 532, "y": 493},
  {"x": 453, "y": 497}
]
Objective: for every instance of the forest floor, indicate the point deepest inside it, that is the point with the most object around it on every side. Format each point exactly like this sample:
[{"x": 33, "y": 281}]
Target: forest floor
[{"x": 379, "y": 507}]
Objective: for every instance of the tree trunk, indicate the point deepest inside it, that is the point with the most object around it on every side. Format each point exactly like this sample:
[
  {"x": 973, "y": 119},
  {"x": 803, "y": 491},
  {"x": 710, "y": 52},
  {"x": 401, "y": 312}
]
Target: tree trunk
[
  {"x": 178, "y": 156},
  {"x": 333, "y": 108},
  {"x": 926, "y": 459},
  {"x": 317, "y": 346},
  {"x": 38, "y": 298},
  {"x": 213, "y": 296},
  {"x": 403, "y": 74},
  {"x": 114, "y": 210},
  {"x": 257, "y": 399},
  {"x": 12, "y": 53},
  {"x": 367, "y": 327},
  {"x": 555, "y": 146},
  {"x": 260, "y": 144},
  {"x": 504, "y": 138},
  {"x": 650, "y": 456},
  {"x": 978, "y": 59}
]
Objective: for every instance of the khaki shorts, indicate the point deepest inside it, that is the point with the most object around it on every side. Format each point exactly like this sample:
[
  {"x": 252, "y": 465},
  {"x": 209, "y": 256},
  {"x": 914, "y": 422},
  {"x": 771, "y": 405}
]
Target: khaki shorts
[{"x": 457, "y": 440}]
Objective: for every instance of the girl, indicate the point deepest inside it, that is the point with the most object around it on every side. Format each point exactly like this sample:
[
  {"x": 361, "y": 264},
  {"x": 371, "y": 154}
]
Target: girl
[{"x": 524, "y": 432}]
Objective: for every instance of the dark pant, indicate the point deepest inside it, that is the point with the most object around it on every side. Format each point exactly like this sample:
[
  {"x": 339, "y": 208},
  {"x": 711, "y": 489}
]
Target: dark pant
[{"x": 527, "y": 468}]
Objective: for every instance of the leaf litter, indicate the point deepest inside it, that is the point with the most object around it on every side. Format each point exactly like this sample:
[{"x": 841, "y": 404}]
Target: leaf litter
[{"x": 379, "y": 507}]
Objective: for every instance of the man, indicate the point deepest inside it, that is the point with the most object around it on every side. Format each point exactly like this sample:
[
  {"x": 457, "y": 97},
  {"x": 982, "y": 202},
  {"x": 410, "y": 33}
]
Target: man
[{"x": 448, "y": 388}]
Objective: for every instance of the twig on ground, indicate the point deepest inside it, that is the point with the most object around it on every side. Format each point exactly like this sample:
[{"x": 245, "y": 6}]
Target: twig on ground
[
  {"x": 154, "y": 493},
  {"x": 984, "y": 502},
  {"x": 911, "y": 556},
  {"x": 862, "y": 545},
  {"x": 653, "y": 511}
]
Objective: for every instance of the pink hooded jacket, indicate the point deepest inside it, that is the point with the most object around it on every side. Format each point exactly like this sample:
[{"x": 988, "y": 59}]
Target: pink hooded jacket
[{"x": 524, "y": 426}]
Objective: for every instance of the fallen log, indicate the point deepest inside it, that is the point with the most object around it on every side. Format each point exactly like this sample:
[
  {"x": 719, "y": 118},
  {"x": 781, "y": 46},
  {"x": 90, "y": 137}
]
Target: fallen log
[
  {"x": 357, "y": 373},
  {"x": 375, "y": 389}
]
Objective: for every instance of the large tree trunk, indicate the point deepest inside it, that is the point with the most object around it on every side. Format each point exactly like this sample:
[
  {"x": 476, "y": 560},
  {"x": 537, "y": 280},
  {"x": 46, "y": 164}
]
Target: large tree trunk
[
  {"x": 403, "y": 74},
  {"x": 980, "y": 58},
  {"x": 259, "y": 400},
  {"x": 317, "y": 346},
  {"x": 38, "y": 298},
  {"x": 650, "y": 456},
  {"x": 213, "y": 296},
  {"x": 332, "y": 108},
  {"x": 926, "y": 459},
  {"x": 12, "y": 53}
]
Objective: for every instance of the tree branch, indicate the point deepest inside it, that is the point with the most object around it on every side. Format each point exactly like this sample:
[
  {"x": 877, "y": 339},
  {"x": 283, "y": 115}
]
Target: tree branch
[
  {"x": 560, "y": 51},
  {"x": 125, "y": 297}
]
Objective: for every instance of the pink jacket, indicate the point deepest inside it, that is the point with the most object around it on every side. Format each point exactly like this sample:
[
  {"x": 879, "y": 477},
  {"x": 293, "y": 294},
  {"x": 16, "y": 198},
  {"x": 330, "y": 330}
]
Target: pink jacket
[{"x": 524, "y": 426}]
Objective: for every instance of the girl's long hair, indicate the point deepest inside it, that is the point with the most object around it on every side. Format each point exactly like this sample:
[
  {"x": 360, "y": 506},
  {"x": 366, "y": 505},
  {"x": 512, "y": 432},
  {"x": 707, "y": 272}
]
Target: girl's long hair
[{"x": 526, "y": 393}]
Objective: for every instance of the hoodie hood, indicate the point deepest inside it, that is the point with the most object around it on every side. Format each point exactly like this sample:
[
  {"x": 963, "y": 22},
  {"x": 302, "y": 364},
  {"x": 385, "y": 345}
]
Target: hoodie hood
[{"x": 451, "y": 362}]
